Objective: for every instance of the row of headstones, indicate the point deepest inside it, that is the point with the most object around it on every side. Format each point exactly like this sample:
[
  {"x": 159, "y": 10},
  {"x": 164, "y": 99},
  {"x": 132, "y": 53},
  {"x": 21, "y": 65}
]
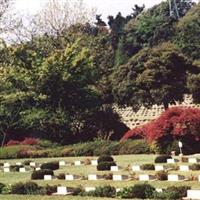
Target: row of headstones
[
  {"x": 115, "y": 177},
  {"x": 190, "y": 160},
  {"x": 61, "y": 163},
  {"x": 191, "y": 194}
]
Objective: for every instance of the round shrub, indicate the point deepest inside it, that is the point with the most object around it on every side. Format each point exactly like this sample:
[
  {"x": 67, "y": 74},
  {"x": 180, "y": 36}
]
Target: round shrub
[
  {"x": 105, "y": 158},
  {"x": 162, "y": 158},
  {"x": 142, "y": 191},
  {"x": 172, "y": 193},
  {"x": 148, "y": 167},
  {"x": 1, "y": 187},
  {"x": 105, "y": 166},
  {"x": 36, "y": 175},
  {"x": 161, "y": 175},
  {"x": 50, "y": 165},
  {"x": 25, "y": 188},
  {"x": 195, "y": 167},
  {"x": 61, "y": 176}
]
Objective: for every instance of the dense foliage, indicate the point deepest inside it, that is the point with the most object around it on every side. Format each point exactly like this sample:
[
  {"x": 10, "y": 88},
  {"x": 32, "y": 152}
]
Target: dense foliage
[
  {"x": 61, "y": 83},
  {"x": 177, "y": 123}
]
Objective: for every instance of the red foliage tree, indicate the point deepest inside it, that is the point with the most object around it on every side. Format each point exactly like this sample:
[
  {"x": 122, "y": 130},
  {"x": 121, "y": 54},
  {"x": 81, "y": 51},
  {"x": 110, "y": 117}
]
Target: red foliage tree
[{"x": 177, "y": 122}]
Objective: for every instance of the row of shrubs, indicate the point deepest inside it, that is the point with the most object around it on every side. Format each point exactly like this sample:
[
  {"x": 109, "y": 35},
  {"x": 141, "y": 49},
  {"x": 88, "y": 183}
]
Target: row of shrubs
[
  {"x": 94, "y": 148},
  {"x": 142, "y": 191}
]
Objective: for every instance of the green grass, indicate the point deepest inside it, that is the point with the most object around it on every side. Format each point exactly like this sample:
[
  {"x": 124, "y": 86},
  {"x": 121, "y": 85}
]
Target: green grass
[
  {"x": 123, "y": 161},
  {"x": 35, "y": 197}
]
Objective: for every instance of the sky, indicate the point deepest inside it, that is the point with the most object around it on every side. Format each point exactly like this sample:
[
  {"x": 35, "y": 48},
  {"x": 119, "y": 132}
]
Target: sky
[{"x": 104, "y": 7}]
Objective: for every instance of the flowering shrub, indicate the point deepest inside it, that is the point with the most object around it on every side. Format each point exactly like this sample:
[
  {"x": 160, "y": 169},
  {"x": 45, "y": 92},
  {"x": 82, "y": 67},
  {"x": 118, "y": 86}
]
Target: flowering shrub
[
  {"x": 176, "y": 123},
  {"x": 26, "y": 141},
  {"x": 30, "y": 141},
  {"x": 12, "y": 143}
]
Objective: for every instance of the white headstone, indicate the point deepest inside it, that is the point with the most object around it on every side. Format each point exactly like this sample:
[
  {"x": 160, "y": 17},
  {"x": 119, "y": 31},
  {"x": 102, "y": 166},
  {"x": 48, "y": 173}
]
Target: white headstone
[
  {"x": 171, "y": 161},
  {"x": 37, "y": 168},
  {"x": 94, "y": 162},
  {"x": 173, "y": 177},
  {"x": 118, "y": 189},
  {"x": 32, "y": 164},
  {"x": 22, "y": 169},
  {"x": 193, "y": 194},
  {"x": 92, "y": 177},
  {"x": 114, "y": 168},
  {"x": 6, "y": 165},
  {"x": 18, "y": 163},
  {"x": 184, "y": 168},
  {"x": 192, "y": 160},
  {"x": 69, "y": 177},
  {"x": 117, "y": 177},
  {"x": 159, "y": 190},
  {"x": 136, "y": 168},
  {"x": 144, "y": 177},
  {"x": 199, "y": 177},
  {"x": 61, "y": 163},
  {"x": 61, "y": 190},
  {"x": 47, "y": 177},
  {"x": 6, "y": 169},
  {"x": 88, "y": 189},
  {"x": 159, "y": 167},
  {"x": 77, "y": 162}
]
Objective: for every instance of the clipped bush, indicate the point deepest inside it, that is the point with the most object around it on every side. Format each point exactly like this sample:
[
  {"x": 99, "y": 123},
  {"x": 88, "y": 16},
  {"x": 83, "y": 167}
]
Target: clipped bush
[
  {"x": 61, "y": 176},
  {"x": 105, "y": 158},
  {"x": 195, "y": 167},
  {"x": 15, "y": 168},
  {"x": 161, "y": 175},
  {"x": 105, "y": 166},
  {"x": 29, "y": 188},
  {"x": 27, "y": 162},
  {"x": 2, "y": 187},
  {"x": 104, "y": 191},
  {"x": 172, "y": 193},
  {"x": 139, "y": 146},
  {"x": 148, "y": 167},
  {"x": 49, "y": 189},
  {"x": 50, "y": 165},
  {"x": 142, "y": 191},
  {"x": 36, "y": 175},
  {"x": 162, "y": 158}
]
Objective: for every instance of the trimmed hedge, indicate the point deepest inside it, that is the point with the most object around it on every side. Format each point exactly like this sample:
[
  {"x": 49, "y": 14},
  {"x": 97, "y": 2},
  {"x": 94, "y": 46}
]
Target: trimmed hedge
[
  {"x": 142, "y": 191},
  {"x": 105, "y": 158},
  {"x": 50, "y": 165},
  {"x": 105, "y": 166},
  {"x": 37, "y": 175},
  {"x": 162, "y": 158},
  {"x": 148, "y": 167}
]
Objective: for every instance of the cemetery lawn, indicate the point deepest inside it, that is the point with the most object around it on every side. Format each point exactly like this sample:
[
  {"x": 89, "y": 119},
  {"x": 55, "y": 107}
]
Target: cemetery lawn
[
  {"x": 36, "y": 197},
  {"x": 124, "y": 161}
]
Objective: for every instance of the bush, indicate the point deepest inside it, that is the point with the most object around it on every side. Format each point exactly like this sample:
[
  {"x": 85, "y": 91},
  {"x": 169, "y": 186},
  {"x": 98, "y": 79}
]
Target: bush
[
  {"x": 195, "y": 167},
  {"x": 134, "y": 147},
  {"x": 29, "y": 141},
  {"x": 172, "y": 193},
  {"x": 49, "y": 190},
  {"x": 1, "y": 187},
  {"x": 36, "y": 175},
  {"x": 50, "y": 165},
  {"x": 148, "y": 167},
  {"x": 161, "y": 175},
  {"x": 105, "y": 191},
  {"x": 105, "y": 158},
  {"x": 27, "y": 162},
  {"x": 25, "y": 188},
  {"x": 105, "y": 166},
  {"x": 15, "y": 168},
  {"x": 12, "y": 143},
  {"x": 61, "y": 176},
  {"x": 162, "y": 158},
  {"x": 142, "y": 191}
]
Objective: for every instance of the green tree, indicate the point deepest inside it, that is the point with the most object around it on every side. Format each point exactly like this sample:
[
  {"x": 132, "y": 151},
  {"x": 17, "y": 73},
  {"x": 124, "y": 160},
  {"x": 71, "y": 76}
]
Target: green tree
[{"x": 153, "y": 76}]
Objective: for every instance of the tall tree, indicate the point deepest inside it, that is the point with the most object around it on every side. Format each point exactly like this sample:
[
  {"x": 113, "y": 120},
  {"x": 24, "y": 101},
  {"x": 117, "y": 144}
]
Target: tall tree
[{"x": 153, "y": 76}]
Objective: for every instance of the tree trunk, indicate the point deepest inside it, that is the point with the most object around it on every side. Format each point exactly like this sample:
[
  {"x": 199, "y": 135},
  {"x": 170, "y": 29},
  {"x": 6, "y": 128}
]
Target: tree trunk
[
  {"x": 4, "y": 138},
  {"x": 166, "y": 105}
]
